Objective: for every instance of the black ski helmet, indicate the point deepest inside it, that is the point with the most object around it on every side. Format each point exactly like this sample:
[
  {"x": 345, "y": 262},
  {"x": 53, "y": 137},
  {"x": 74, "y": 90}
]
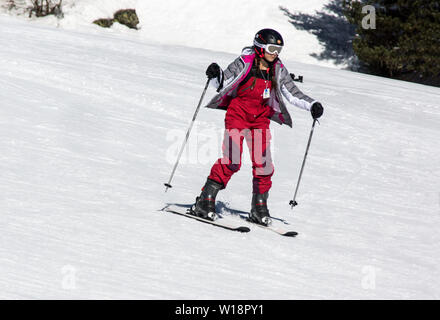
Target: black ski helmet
[{"x": 264, "y": 37}]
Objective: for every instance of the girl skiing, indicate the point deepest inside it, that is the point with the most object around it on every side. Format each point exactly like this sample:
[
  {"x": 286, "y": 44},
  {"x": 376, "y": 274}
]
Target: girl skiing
[{"x": 250, "y": 90}]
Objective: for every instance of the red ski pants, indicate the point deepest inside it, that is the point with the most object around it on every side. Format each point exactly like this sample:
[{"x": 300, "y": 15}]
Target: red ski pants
[{"x": 246, "y": 118}]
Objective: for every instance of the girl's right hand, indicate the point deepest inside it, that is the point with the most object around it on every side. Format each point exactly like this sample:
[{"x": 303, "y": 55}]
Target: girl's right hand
[
  {"x": 213, "y": 71},
  {"x": 317, "y": 110}
]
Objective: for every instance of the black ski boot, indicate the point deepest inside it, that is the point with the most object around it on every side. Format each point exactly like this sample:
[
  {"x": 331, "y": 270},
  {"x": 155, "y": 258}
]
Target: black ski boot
[
  {"x": 259, "y": 212},
  {"x": 205, "y": 203}
]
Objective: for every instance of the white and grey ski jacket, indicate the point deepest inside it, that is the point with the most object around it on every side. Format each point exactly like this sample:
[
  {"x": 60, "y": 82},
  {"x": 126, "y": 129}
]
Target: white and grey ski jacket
[{"x": 227, "y": 87}]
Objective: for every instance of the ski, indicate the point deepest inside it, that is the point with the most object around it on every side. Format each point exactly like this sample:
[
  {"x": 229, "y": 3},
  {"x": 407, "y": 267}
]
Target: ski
[
  {"x": 221, "y": 222},
  {"x": 277, "y": 226},
  {"x": 274, "y": 228}
]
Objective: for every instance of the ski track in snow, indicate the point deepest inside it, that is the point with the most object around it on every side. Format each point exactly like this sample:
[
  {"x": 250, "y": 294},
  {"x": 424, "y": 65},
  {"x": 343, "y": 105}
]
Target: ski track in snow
[{"x": 85, "y": 122}]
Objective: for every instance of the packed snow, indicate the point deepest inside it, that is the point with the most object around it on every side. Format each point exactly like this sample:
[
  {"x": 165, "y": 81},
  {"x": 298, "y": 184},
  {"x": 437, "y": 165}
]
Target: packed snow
[
  {"x": 224, "y": 26},
  {"x": 91, "y": 123}
]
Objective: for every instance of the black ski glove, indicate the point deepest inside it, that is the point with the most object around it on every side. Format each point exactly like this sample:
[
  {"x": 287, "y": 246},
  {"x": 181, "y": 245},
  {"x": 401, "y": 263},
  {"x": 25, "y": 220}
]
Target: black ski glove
[
  {"x": 213, "y": 71},
  {"x": 317, "y": 110}
]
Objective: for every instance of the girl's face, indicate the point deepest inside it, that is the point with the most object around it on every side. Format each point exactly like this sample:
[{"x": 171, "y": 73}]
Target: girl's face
[{"x": 270, "y": 57}]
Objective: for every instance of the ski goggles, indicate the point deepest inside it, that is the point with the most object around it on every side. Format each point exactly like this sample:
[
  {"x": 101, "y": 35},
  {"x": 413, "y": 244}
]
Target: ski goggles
[{"x": 269, "y": 48}]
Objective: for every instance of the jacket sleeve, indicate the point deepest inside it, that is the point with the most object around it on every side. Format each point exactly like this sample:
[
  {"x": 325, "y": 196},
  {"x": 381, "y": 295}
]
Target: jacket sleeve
[
  {"x": 292, "y": 93},
  {"x": 228, "y": 75}
]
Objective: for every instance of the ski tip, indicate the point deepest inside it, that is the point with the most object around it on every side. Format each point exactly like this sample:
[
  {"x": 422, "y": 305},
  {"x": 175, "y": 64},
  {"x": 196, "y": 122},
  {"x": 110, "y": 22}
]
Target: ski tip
[
  {"x": 243, "y": 229},
  {"x": 290, "y": 234}
]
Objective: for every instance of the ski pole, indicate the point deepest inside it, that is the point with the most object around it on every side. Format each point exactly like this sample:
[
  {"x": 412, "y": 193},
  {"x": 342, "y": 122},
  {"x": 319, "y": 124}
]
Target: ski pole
[
  {"x": 168, "y": 185},
  {"x": 293, "y": 202}
]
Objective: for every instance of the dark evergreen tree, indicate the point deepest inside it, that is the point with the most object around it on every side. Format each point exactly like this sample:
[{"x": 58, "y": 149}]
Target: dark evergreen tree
[{"x": 406, "y": 42}]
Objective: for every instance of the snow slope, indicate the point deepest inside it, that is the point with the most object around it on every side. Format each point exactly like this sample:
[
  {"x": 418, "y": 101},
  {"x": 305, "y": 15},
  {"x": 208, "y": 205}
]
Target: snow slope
[
  {"x": 89, "y": 128},
  {"x": 225, "y": 26}
]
